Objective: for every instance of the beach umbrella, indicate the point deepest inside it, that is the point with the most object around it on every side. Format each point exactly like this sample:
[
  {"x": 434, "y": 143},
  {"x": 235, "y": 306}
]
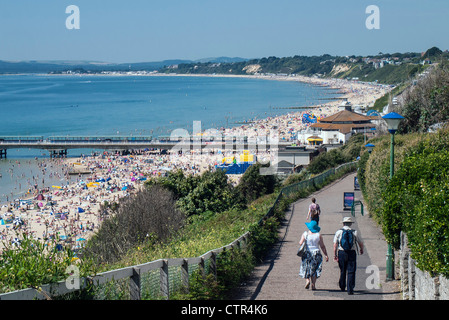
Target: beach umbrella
[
  {"x": 80, "y": 239},
  {"x": 40, "y": 204}
]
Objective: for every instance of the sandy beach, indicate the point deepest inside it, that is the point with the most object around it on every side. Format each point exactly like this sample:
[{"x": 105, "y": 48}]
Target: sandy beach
[{"x": 73, "y": 212}]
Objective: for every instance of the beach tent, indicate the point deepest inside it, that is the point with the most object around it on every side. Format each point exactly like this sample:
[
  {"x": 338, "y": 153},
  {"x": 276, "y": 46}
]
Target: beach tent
[
  {"x": 40, "y": 196},
  {"x": 246, "y": 156},
  {"x": 307, "y": 118},
  {"x": 93, "y": 184},
  {"x": 235, "y": 168},
  {"x": 80, "y": 210}
]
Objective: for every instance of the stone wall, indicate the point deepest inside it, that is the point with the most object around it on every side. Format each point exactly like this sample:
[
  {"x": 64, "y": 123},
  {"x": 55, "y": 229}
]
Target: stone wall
[{"x": 417, "y": 284}]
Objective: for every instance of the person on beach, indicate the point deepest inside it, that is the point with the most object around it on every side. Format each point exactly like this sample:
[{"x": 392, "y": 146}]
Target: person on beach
[
  {"x": 314, "y": 211},
  {"x": 311, "y": 264},
  {"x": 346, "y": 243}
]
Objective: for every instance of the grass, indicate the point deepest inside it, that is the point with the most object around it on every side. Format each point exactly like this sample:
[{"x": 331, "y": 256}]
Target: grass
[{"x": 202, "y": 234}]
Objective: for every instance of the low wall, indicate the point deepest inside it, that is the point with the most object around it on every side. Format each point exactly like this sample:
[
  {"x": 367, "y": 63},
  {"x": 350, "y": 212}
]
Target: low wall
[{"x": 417, "y": 284}]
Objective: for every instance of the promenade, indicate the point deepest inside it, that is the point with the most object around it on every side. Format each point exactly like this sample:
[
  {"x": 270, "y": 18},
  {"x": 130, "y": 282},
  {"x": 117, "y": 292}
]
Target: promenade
[{"x": 277, "y": 277}]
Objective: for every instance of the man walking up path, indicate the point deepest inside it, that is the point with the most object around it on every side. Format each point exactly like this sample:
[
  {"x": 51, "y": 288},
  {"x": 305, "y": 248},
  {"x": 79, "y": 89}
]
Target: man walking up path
[{"x": 277, "y": 277}]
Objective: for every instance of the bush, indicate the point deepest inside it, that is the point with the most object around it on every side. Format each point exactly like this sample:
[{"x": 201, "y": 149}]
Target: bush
[
  {"x": 416, "y": 202},
  {"x": 34, "y": 263},
  {"x": 335, "y": 157},
  {"x": 148, "y": 216},
  {"x": 253, "y": 185},
  {"x": 211, "y": 192},
  {"x": 427, "y": 102}
]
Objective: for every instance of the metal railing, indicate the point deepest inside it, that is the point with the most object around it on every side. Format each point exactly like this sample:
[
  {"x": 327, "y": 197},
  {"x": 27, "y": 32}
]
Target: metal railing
[{"x": 161, "y": 278}]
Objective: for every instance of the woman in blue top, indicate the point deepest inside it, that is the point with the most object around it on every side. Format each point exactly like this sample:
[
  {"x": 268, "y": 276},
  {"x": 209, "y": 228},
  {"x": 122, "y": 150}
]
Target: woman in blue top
[{"x": 312, "y": 259}]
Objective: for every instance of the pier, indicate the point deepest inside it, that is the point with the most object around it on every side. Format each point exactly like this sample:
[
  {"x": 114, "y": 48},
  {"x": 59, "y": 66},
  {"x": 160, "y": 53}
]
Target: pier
[{"x": 59, "y": 146}]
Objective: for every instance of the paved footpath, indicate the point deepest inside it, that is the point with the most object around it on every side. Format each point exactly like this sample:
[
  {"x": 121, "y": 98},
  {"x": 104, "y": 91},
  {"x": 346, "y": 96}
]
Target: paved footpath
[{"x": 277, "y": 277}]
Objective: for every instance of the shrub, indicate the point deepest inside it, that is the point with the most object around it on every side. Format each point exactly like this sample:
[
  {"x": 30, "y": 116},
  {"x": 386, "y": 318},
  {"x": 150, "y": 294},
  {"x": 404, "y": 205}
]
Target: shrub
[
  {"x": 416, "y": 202},
  {"x": 34, "y": 263},
  {"x": 148, "y": 216},
  {"x": 253, "y": 185},
  {"x": 331, "y": 159},
  {"x": 427, "y": 102}
]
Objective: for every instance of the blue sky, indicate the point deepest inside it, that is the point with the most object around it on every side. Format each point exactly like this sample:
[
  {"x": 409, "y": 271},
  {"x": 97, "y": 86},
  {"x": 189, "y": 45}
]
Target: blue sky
[{"x": 153, "y": 30}]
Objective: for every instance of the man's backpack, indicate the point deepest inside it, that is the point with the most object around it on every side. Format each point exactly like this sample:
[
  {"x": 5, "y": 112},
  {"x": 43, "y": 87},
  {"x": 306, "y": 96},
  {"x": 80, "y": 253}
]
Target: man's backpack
[{"x": 347, "y": 239}]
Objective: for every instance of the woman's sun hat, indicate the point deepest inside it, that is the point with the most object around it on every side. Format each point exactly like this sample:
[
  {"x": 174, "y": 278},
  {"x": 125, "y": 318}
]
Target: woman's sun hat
[{"x": 313, "y": 226}]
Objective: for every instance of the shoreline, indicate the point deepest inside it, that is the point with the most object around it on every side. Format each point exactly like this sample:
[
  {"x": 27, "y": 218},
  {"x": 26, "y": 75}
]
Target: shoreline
[{"x": 127, "y": 173}]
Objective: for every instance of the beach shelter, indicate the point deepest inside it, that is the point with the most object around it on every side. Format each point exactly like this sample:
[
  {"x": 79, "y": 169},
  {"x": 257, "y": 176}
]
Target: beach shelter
[
  {"x": 40, "y": 196},
  {"x": 80, "y": 210},
  {"x": 315, "y": 140}
]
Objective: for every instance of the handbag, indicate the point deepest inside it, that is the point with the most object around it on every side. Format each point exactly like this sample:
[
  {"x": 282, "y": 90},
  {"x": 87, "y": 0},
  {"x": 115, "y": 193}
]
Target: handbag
[{"x": 302, "y": 248}]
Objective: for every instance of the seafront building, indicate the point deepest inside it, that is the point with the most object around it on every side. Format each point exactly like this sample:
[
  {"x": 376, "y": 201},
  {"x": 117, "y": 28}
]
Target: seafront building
[{"x": 338, "y": 128}]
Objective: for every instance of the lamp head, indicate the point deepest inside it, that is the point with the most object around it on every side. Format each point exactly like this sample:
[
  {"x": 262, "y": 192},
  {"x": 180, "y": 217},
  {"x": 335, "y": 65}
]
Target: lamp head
[
  {"x": 370, "y": 147},
  {"x": 392, "y": 119}
]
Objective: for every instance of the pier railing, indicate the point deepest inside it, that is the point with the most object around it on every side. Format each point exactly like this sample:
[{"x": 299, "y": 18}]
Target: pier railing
[{"x": 161, "y": 278}]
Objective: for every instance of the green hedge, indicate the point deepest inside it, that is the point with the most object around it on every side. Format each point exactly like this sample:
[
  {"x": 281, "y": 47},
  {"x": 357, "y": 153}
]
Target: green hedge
[{"x": 416, "y": 199}]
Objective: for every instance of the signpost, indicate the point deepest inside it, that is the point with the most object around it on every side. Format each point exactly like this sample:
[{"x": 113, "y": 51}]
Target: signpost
[{"x": 348, "y": 200}]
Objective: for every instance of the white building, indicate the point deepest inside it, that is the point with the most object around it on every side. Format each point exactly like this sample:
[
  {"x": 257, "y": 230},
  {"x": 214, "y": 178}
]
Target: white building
[{"x": 337, "y": 128}]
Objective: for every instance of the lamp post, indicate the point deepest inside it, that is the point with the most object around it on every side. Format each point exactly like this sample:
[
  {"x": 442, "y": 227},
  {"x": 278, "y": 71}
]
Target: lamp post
[{"x": 392, "y": 119}]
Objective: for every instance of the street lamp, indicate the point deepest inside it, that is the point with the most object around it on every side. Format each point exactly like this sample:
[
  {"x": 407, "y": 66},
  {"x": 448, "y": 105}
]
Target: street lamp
[{"x": 392, "y": 119}]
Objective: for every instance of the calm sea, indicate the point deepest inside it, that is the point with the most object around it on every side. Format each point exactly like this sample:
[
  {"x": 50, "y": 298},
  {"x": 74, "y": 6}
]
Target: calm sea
[{"x": 131, "y": 105}]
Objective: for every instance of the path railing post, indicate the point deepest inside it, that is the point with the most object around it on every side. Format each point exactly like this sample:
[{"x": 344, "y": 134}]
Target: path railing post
[
  {"x": 165, "y": 292},
  {"x": 185, "y": 275},
  {"x": 134, "y": 285}
]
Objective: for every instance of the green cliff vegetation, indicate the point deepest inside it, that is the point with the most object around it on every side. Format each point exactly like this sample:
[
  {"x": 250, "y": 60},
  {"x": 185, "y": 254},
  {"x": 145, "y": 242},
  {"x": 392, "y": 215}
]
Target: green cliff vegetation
[
  {"x": 416, "y": 200},
  {"x": 384, "y": 68}
]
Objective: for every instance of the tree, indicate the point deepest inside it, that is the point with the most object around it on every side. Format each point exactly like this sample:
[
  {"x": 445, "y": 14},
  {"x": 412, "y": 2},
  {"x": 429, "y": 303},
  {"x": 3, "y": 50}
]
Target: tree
[
  {"x": 253, "y": 185},
  {"x": 212, "y": 192}
]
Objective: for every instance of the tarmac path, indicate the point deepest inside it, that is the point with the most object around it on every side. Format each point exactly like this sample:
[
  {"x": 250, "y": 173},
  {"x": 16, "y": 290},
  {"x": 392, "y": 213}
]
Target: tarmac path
[{"x": 277, "y": 277}]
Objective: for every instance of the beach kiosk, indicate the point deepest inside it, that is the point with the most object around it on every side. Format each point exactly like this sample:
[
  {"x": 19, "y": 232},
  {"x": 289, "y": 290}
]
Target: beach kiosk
[{"x": 315, "y": 140}]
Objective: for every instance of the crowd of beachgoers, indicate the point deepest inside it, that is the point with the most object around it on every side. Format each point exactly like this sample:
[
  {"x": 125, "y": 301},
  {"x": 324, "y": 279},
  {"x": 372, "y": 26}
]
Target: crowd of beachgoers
[{"x": 71, "y": 211}]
